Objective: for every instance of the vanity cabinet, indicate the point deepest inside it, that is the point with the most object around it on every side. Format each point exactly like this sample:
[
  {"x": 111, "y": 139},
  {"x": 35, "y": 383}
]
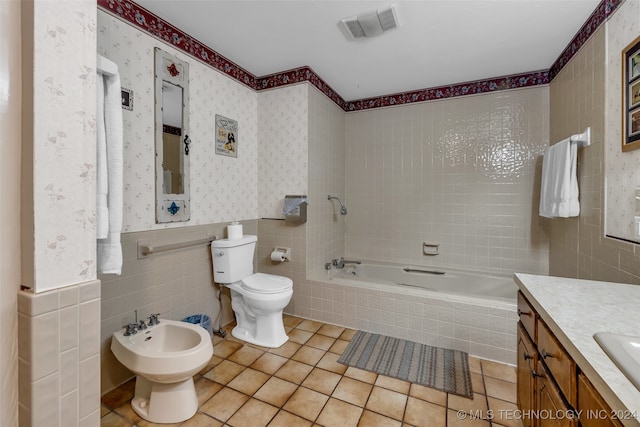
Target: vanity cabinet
[{"x": 551, "y": 390}]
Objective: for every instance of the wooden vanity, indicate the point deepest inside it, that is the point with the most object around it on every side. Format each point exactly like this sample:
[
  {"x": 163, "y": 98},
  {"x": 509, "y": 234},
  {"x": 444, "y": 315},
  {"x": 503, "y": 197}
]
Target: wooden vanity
[{"x": 564, "y": 377}]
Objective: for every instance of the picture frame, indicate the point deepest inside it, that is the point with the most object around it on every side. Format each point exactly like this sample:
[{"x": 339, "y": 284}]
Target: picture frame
[
  {"x": 127, "y": 98},
  {"x": 226, "y": 136},
  {"x": 631, "y": 96}
]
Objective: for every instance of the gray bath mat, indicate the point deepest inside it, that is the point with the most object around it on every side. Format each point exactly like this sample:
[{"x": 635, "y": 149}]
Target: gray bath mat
[{"x": 439, "y": 368}]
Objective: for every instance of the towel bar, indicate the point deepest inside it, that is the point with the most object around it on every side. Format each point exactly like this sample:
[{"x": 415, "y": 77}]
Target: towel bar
[
  {"x": 144, "y": 249},
  {"x": 582, "y": 139}
]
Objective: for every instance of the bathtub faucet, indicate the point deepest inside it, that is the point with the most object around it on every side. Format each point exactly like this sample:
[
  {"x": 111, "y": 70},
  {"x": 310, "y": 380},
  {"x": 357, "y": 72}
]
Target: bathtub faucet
[{"x": 339, "y": 263}]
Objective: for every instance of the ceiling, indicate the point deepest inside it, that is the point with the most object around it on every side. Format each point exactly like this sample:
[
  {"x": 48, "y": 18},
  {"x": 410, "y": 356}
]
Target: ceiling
[{"x": 439, "y": 42}]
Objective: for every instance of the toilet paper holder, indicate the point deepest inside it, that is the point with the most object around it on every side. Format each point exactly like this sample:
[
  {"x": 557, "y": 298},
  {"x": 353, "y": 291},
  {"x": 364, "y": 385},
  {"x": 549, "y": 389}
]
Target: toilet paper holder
[{"x": 280, "y": 254}]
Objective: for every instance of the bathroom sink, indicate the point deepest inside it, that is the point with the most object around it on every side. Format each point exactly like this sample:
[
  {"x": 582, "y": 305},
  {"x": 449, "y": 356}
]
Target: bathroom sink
[{"x": 624, "y": 351}]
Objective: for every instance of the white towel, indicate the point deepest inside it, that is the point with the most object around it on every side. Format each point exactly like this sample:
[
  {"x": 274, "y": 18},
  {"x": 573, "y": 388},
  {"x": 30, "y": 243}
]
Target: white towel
[
  {"x": 559, "y": 194},
  {"x": 109, "y": 248},
  {"x": 102, "y": 185}
]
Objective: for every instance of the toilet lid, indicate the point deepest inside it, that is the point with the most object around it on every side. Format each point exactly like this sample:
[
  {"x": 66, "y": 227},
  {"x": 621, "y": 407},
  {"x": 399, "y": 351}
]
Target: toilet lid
[{"x": 267, "y": 283}]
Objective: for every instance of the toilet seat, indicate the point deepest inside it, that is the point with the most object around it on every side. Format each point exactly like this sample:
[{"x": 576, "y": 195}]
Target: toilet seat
[{"x": 266, "y": 283}]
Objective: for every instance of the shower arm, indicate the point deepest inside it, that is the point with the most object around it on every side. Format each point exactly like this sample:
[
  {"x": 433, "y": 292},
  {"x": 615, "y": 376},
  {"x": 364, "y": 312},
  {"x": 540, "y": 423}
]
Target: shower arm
[{"x": 343, "y": 208}]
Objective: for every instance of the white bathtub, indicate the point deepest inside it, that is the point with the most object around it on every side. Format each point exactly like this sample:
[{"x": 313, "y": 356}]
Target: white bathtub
[
  {"x": 475, "y": 313},
  {"x": 433, "y": 279}
]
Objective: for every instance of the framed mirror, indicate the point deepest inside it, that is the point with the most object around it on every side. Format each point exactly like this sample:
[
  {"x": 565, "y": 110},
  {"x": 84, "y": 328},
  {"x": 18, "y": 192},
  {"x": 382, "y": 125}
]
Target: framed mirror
[{"x": 171, "y": 138}]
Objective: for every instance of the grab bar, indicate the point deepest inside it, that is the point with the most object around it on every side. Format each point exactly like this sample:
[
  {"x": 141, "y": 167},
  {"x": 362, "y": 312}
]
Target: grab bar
[
  {"x": 144, "y": 249},
  {"x": 416, "y": 270}
]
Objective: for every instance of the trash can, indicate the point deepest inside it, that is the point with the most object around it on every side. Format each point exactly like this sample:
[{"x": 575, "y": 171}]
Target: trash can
[{"x": 202, "y": 320}]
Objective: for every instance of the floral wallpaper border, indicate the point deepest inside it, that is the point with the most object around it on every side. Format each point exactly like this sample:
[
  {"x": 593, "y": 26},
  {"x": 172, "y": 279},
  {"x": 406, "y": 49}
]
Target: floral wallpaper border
[{"x": 157, "y": 27}]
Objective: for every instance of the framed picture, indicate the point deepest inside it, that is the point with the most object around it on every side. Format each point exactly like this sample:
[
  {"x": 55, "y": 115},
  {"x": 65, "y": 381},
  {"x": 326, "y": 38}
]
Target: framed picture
[
  {"x": 226, "y": 136},
  {"x": 127, "y": 98},
  {"x": 631, "y": 96}
]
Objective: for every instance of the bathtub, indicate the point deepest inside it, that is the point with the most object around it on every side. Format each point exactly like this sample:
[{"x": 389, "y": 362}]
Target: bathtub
[{"x": 466, "y": 311}]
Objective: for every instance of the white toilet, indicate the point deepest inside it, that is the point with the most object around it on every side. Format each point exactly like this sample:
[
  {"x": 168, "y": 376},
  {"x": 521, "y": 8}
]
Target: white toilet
[{"x": 257, "y": 299}]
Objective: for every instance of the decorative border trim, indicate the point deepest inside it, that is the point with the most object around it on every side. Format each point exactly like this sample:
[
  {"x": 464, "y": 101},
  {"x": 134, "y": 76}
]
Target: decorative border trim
[{"x": 145, "y": 20}]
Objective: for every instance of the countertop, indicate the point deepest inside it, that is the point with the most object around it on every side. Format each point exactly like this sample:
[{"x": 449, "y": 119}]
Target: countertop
[{"x": 574, "y": 310}]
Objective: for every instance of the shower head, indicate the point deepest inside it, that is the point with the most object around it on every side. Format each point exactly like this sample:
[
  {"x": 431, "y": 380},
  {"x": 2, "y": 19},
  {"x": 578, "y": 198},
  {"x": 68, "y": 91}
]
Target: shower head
[{"x": 343, "y": 208}]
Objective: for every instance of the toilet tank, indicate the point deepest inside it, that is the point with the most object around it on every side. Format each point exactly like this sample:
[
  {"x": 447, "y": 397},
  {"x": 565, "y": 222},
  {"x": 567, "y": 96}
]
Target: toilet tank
[{"x": 233, "y": 259}]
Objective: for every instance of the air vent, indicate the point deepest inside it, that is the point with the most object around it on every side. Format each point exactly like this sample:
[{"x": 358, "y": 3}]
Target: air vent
[{"x": 371, "y": 24}]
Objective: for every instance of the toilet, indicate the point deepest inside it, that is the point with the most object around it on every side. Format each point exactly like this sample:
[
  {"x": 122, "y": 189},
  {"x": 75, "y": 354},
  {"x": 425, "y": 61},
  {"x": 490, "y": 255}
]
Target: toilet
[
  {"x": 164, "y": 357},
  {"x": 257, "y": 299}
]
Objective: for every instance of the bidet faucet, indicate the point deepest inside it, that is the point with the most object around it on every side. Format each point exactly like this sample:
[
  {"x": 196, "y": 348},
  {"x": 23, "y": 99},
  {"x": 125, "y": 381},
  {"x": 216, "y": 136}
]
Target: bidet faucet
[
  {"x": 153, "y": 319},
  {"x": 131, "y": 329}
]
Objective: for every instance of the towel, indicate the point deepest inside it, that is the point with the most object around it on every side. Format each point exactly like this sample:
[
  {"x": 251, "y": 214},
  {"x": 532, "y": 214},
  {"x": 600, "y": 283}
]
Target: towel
[
  {"x": 109, "y": 247},
  {"x": 102, "y": 185},
  {"x": 559, "y": 194}
]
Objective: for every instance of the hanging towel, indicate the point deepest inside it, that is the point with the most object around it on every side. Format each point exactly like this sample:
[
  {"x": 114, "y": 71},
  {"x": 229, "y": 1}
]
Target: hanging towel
[
  {"x": 559, "y": 190},
  {"x": 109, "y": 247},
  {"x": 102, "y": 185}
]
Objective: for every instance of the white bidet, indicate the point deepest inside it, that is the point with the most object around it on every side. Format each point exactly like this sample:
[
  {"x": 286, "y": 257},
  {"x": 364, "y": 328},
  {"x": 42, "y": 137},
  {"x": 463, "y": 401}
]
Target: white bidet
[{"x": 164, "y": 357}]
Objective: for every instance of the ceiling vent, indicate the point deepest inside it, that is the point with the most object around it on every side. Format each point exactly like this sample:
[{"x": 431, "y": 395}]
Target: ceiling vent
[{"x": 371, "y": 24}]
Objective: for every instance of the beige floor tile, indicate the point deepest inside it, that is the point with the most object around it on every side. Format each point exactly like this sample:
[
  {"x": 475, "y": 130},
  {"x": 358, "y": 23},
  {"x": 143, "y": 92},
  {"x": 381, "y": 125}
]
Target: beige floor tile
[
  {"x": 254, "y": 413},
  {"x": 371, "y": 419},
  {"x": 286, "y": 419},
  {"x": 294, "y": 372},
  {"x": 361, "y": 375},
  {"x": 322, "y": 381},
  {"x": 461, "y": 419},
  {"x": 477, "y": 383},
  {"x": 310, "y": 325},
  {"x": 291, "y": 321},
  {"x": 347, "y": 334},
  {"x": 201, "y": 420},
  {"x": 306, "y": 403},
  {"x": 393, "y": 384},
  {"x": 126, "y": 411},
  {"x": 476, "y": 405},
  {"x": 337, "y": 413},
  {"x": 248, "y": 381},
  {"x": 287, "y": 349},
  {"x": 504, "y": 413},
  {"x": 269, "y": 363},
  {"x": 499, "y": 370},
  {"x": 428, "y": 394},
  {"x": 331, "y": 330},
  {"x": 300, "y": 336},
  {"x": 387, "y": 402},
  {"x": 330, "y": 362},
  {"x": 308, "y": 355},
  {"x": 226, "y": 348},
  {"x": 276, "y": 391},
  {"x": 117, "y": 397},
  {"x": 475, "y": 365},
  {"x": 104, "y": 410},
  {"x": 205, "y": 388},
  {"x": 353, "y": 391},
  {"x": 504, "y": 390},
  {"x": 420, "y": 413},
  {"x": 339, "y": 346},
  {"x": 321, "y": 341},
  {"x": 215, "y": 360},
  {"x": 245, "y": 355},
  {"x": 224, "y": 404},
  {"x": 224, "y": 372},
  {"x": 114, "y": 420}
]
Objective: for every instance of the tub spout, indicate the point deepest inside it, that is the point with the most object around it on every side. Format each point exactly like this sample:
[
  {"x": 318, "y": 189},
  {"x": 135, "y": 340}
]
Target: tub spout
[{"x": 339, "y": 263}]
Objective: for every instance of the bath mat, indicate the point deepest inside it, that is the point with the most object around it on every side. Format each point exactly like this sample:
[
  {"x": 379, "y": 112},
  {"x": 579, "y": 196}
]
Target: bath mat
[{"x": 439, "y": 368}]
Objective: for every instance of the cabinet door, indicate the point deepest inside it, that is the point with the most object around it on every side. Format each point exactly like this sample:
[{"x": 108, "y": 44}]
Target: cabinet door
[
  {"x": 526, "y": 365},
  {"x": 594, "y": 412},
  {"x": 554, "y": 412}
]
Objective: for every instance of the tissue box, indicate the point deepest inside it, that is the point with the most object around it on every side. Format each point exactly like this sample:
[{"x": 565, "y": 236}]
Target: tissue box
[{"x": 295, "y": 208}]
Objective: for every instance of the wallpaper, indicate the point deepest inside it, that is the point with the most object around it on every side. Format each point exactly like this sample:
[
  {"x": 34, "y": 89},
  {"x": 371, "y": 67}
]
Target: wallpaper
[
  {"x": 64, "y": 134},
  {"x": 222, "y": 188},
  {"x": 283, "y": 128}
]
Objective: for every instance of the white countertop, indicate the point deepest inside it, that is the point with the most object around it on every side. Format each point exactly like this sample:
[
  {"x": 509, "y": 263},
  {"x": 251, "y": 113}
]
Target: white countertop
[{"x": 576, "y": 309}]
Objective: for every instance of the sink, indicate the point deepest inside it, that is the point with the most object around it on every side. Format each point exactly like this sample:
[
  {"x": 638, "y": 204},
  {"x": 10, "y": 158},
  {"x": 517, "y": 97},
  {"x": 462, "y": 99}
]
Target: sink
[{"x": 624, "y": 351}]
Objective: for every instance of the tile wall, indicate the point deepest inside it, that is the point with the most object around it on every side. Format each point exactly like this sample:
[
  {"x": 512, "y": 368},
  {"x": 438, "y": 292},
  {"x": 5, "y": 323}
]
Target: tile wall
[
  {"x": 461, "y": 172},
  {"x": 59, "y": 356},
  {"x": 580, "y": 98}
]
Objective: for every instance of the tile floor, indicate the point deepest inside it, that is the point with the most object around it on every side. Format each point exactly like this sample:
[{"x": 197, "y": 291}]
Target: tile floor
[{"x": 301, "y": 384}]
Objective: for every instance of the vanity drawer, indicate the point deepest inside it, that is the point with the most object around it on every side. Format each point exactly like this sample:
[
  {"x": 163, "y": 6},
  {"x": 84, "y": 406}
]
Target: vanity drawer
[
  {"x": 560, "y": 365},
  {"x": 527, "y": 316}
]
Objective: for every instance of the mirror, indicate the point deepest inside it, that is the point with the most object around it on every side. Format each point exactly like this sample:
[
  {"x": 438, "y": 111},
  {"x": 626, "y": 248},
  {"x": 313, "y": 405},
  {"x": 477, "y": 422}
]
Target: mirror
[{"x": 172, "y": 138}]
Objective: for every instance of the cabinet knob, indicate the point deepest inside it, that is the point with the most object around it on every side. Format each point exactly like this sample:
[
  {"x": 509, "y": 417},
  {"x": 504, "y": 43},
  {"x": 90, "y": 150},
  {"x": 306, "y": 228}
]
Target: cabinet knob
[
  {"x": 545, "y": 355},
  {"x": 527, "y": 356},
  {"x": 535, "y": 373},
  {"x": 523, "y": 313}
]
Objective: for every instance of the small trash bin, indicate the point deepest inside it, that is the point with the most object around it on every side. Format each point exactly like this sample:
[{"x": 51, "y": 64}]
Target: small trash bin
[{"x": 202, "y": 320}]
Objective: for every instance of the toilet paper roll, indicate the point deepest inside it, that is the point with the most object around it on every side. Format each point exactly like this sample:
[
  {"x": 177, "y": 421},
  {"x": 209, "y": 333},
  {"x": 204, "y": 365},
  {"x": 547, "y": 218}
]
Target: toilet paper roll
[
  {"x": 277, "y": 256},
  {"x": 234, "y": 231}
]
